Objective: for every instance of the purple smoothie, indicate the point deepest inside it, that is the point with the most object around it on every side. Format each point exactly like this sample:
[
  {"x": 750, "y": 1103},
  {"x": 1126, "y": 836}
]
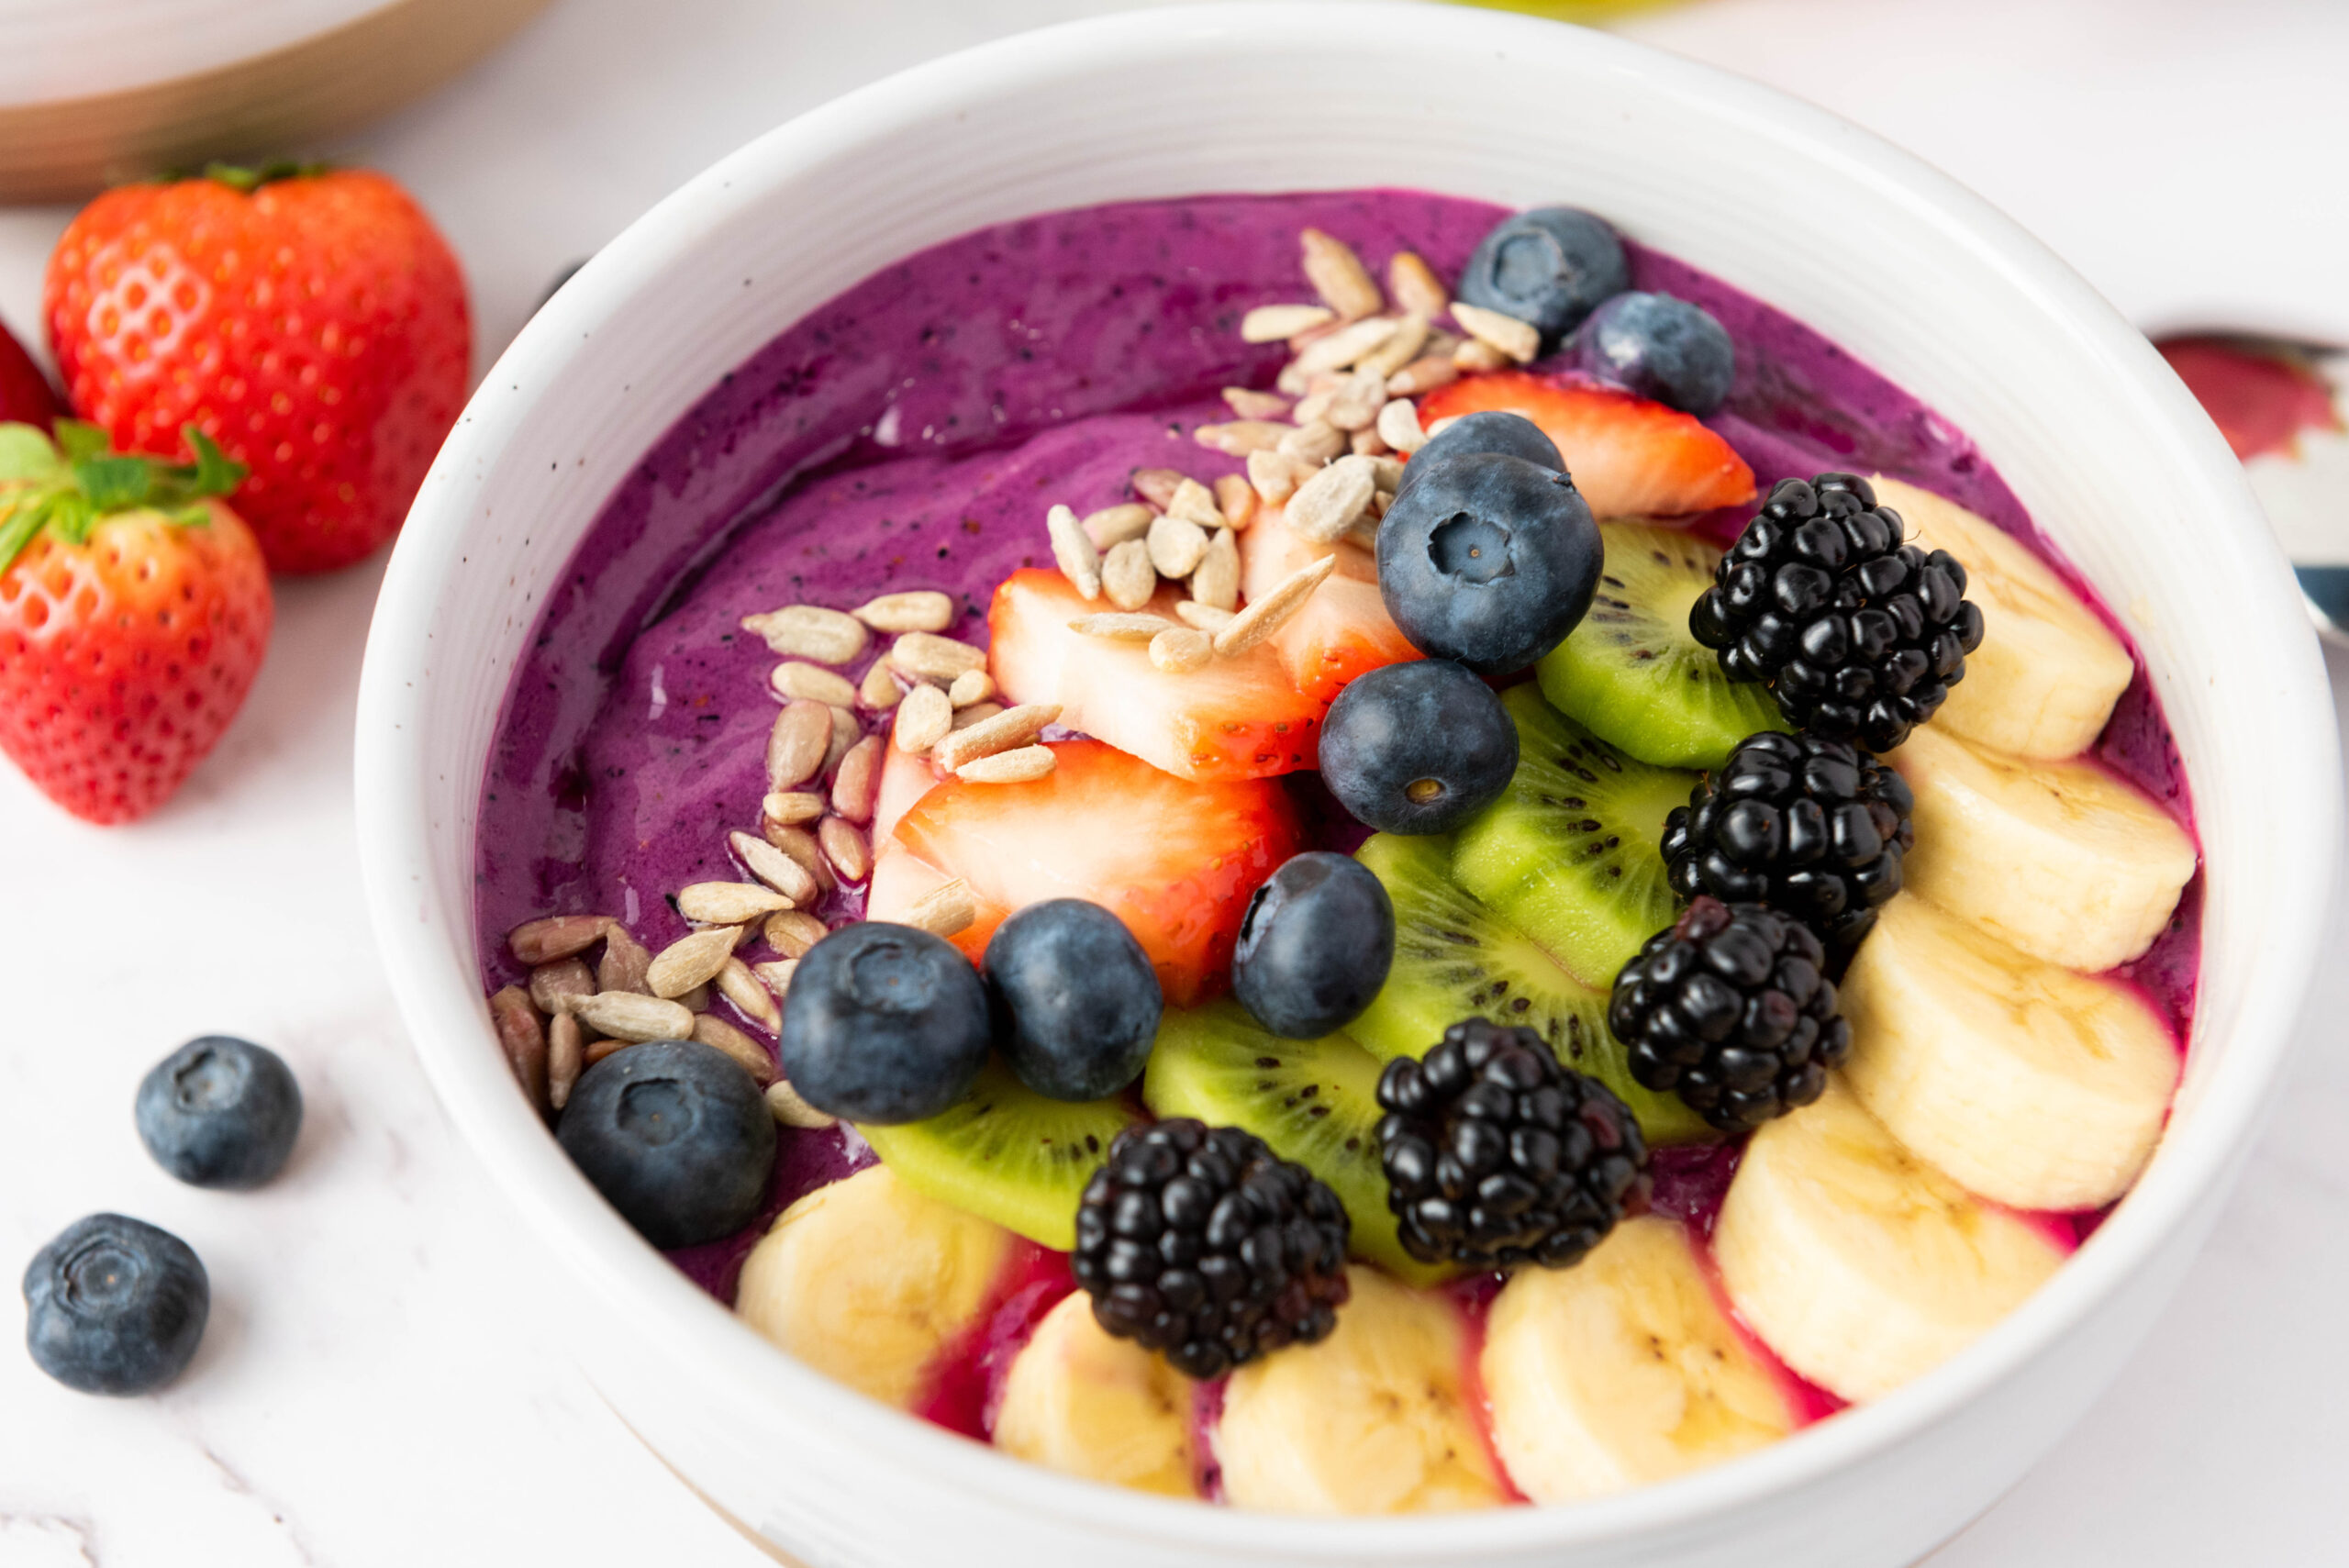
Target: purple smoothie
[{"x": 910, "y": 434}]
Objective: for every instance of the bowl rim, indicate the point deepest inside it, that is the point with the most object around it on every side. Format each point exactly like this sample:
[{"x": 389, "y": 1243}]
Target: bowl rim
[{"x": 729, "y": 1359}]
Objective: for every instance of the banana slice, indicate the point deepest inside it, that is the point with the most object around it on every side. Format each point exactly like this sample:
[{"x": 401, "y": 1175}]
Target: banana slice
[
  {"x": 2033, "y": 1085},
  {"x": 866, "y": 1281},
  {"x": 1374, "y": 1419},
  {"x": 2048, "y": 671},
  {"x": 2059, "y": 859},
  {"x": 1622, "y": 1370},
  {"x": 1859, "y": 1264},
  {"x": 1088, "y": 1403}
]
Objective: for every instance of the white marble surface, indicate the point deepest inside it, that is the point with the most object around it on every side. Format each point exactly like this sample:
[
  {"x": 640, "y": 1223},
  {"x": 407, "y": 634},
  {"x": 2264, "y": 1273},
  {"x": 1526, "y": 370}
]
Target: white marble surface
[{"x": 374, "y": 1391}]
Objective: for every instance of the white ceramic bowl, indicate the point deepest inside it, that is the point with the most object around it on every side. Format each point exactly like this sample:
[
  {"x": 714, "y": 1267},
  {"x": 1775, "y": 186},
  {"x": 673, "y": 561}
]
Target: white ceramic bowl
[{"x": 1914, "y": 274}]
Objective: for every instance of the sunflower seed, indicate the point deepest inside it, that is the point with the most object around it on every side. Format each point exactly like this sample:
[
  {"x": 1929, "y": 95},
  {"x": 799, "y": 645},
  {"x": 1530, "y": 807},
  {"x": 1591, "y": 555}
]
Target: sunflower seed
[
  {"x": 1398, "y": 426},
  {"x": 1423, "y": 374},
  {"x": 804, "y": 631},
  {"x": 1521, "y": 341},
  {"x": 847, "y": 730},
  {"x": 1314, "y": 406},
  {"x": 1236, "y": 500},
  {"x": 1326, "y": 506},
  {"x": 624, "y": 962},
  {"x": 944, "y": 909},
  {"x": 727, "y": 903},
  {"x": 1341, "y": 349},
  {"x": 599, "y": 1049},
  {"x": 799, "y": 846},
  {"x": 1179, "y": 649},
  {"x": 1414, "y": 286},
  {"x": 1358, "y": 401},
  {"x": 1156, "y": 485},
  {"x": 524, "y": 1041},
  {"x": 696, "y": 1000},
  {"x": 921, "y": 609},
  {"x": 725, "y": 1037},
  {"x": 1175, "y": 545},
  {"x": 1127, "y": 576},
  {"x": 971, "y": 686},
  {"x": 1195, "y": 503},
  {"x": 1338, "y": 275},
  {"x": 1264, "y": 616},
  {"x": 792, "y": 932},
  {"x": 1073, "y": 552},
  {"x": 1386, "y": 473},
  {"x": 690, "y": 960},
  {"x": 879, "y": 691},
  {"x": 791, "y": 805},
  {"x": 1272, "y": 476},
  {"x": 1370, "y": 443},
  {"x": 1016, "y": 727},
  {"x": 938, "y": 658},
  {"x": 846, "y": 847},
  {"x": 789, "y": 1110},
  {"x": 1008, "y": 767},
  {"x": 1206, "y": 618},
  {"x": 1250, "y": 404},
  {"x": 739, "y": 985},
  {"x": 977, "y": 713},
  {"x": 1216, "y": 582},
  {"x": 1113, "y": 525},
  {"x": 1272, "y": 323},
  {"x": 1316, "y": 443},
  {"x": 812, "y": 682},
  {"x": 550, "y": 982},
  {"x": 1409, "y": 341},
  {"x": 770, "y": 865},
  {"x": 795, "y": 745},
  {"x": 858, "y": 781},
  {"x": 1477, "y": 355},
  {"x": 535, "y": 942},
  {"x": 923, "y": 719},
  {"x": 1119, "y": 628},
  {"x": 1237, "y": 438},
  {"x": 566, "y": 1056},
  {"x": 624, "y": 1015}
]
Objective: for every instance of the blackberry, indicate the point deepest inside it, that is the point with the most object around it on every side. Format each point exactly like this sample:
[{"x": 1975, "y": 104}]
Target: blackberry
[
  {"x": 1813, "y": 828},
  {"x": 1859, "y": 636},
  {"x": 1203, "y": 1244},
  {"x": 1730, "y": 1010},
  {"x": 1495, "y": 1155}
]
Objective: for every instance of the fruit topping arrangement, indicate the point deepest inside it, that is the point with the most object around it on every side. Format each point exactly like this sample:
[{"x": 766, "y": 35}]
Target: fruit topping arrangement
[{"x": 1473, "y": 959}]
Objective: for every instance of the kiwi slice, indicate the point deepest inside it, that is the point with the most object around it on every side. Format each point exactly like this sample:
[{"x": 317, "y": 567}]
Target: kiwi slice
[
  {"x": 1632, "y": 674},
  {"x": 1314, "y": 1101},
  {"x": 1007, "y": 1153},
  {"x": 1571, "y": 853},
  {"x": 1455, "y": 958}
]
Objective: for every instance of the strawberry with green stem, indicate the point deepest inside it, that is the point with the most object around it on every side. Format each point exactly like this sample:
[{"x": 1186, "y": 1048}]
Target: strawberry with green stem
[{"x": 134, "y": 612}]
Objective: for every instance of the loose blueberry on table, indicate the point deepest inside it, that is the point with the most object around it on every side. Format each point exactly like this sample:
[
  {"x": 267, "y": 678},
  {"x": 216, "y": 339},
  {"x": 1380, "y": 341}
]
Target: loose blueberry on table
[
  {"x": 221, "y": 1112},
  {"x": 1306, "y": 969},
  {"x": 115, "y": 1306}
]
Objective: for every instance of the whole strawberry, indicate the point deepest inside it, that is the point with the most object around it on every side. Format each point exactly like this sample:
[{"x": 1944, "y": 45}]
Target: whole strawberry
[
  {"x": 313, "y": 324},
  {"x": 25, "y": 392},
  {"x": 134, "y": 611}
]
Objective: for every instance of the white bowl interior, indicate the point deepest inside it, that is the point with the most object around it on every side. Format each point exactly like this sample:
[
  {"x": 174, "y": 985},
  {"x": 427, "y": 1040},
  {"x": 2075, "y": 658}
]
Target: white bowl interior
[{"x": 1908, "y": 270}]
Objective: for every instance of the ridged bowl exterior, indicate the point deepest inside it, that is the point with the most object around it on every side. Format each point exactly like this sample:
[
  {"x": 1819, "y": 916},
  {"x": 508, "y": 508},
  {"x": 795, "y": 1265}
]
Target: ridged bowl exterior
[{"x": 1921, "y": 280}]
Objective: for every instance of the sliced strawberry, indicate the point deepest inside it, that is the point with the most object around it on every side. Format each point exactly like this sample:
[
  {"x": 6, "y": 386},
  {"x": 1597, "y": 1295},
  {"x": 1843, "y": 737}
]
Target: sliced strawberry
[
  {"x": 1175, "y": 860},
  {"x": 1237, "y": 719},
  {"x": 1629, "y": 457},
  {"x": 1344, "y": 630},
  {"x": 904, "y": 780},
  {"x": 902, "y": 879}
]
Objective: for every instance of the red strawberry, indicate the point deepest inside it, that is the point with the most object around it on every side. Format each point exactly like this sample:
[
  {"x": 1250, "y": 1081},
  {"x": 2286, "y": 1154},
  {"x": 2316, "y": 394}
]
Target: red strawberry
[
  {"x": 1629, "y": 457},
  {"x": 1176, "y": 861},
  {"x": 1344, "y": 630},
  {"x": 134, "y": 611},
  {"x": 1237, "y": 719},
  {"x": 313, "y": 325},
  {"x": 25, "y": 394}
]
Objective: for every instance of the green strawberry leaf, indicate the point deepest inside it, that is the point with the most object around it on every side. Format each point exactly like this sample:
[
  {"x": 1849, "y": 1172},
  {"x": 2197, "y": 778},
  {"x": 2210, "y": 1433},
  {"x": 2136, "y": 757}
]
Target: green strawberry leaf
[
  {"x": 214, "y": 474},
  {"x": 18, "y": 529},
  {"x": 26, "y": 454},
  {"x": 78, "y": 439},
  {"x": 116, "y": 484}
]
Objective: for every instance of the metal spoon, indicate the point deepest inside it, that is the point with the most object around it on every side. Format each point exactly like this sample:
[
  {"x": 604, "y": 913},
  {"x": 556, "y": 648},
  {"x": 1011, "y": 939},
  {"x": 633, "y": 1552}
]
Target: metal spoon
[{"x": 2283, "y": 404}]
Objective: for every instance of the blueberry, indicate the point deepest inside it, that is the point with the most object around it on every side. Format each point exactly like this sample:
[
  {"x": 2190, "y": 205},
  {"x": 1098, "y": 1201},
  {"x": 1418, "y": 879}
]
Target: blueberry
[
  {"x": 1511, "y": 435},
  {"x": 1418, "y": 748},
  {"x": 115, "y": 1306},
  {"x": 1488, "y": 560},
  {"x": 1551, "y": 266},
  {"x": 1082, "y": 999},
  {"x": 675, "y": 1136},
  {"x": 886, "y": 1024},
  {"x": 1315, "y": 945},
  {"x": 221, "y": 1112},
  {"x": 1660, "y": 348}
]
